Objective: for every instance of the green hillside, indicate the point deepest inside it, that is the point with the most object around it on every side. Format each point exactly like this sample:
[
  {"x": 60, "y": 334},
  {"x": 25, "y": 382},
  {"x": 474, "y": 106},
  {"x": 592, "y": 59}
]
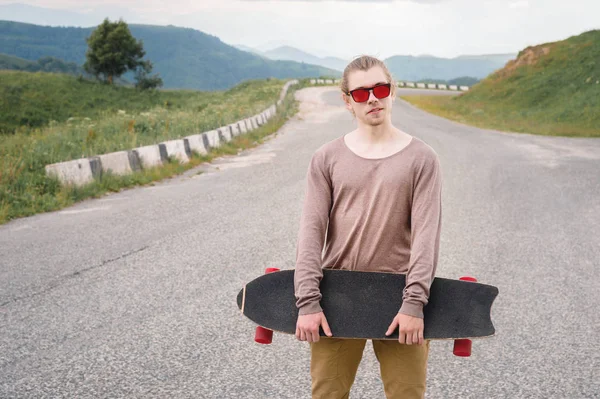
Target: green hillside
[
  {"x": 44, "y": 64},
  {"x": 552, "y": 88},
  {"x": 12, "y": 62},
  {"x": 184, "y": 58},
  {"x": 35, "y": 100}
]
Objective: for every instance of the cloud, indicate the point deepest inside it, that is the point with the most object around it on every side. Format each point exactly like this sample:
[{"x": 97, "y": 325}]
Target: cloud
[{"x": 519, "y": 4}]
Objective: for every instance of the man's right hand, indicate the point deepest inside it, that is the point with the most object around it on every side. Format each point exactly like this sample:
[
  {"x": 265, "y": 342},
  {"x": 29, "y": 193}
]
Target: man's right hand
[{"x": 307, "y": 327}]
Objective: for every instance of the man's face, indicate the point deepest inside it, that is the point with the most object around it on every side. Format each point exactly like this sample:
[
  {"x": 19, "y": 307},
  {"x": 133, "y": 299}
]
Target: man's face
[{"x": 374, "y": 111}]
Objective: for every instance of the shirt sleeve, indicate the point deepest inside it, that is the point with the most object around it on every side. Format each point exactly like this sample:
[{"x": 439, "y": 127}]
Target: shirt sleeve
[
  {"x": 313, "y": 226},
  {"x": 426, "y": 222}
]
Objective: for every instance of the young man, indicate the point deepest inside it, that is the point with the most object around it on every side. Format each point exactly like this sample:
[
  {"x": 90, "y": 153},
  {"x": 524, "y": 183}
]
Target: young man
[{"x": 373, "y": 203}]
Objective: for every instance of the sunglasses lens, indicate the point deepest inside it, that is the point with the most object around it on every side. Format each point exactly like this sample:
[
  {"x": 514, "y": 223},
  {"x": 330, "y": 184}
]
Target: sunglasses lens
[
  {"x": 381, "y": 91},
  {"x": 360, "y": 95}
]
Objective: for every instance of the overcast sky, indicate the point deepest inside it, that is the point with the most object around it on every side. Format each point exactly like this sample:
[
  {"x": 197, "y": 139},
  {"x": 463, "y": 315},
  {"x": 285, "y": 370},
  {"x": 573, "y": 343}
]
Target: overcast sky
[{"x": 347, "y": 28}]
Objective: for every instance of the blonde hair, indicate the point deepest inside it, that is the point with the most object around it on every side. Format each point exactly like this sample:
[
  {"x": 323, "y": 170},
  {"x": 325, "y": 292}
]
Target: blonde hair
[{"x": 364, "y": 63}]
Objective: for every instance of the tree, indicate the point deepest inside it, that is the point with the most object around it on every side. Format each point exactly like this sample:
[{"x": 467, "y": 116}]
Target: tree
[
  {"x": 143, "y": 79},
  {"x": 112, "y": 51}
]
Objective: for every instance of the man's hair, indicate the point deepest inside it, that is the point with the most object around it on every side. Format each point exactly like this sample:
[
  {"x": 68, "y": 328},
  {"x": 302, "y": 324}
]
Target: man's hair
[{"x": 364, "y": 63}]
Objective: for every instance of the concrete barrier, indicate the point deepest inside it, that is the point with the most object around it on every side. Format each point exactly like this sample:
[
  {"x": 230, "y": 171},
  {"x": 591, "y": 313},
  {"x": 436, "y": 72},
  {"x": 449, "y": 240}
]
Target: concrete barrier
[
  {"x": 177, "y": 149},
  {"x": 253, "y": 123},
  {"x": 401, "y": 84},
  {"x": 313, "y": 81},
  {"x": 464, "y": 88},
  {"x": 85, "y": 170},
  {"x": 242, "y": 127},
  {"x": 320, "y": 81},
  {"x": 410, "y": 84},
  {"x": 151, "y": 155},
  {"x": 225, "y": 133},
  {"x": 213, "y": 139},
  {"x": 453, "y": 87},
  {"x": 248, "y": 124},
  {"x": 77, "y": 172},
  {"x": 431, "y": 85},
  {"x": 235, "y": 130},
  {"x": 442, "y": 87},
  {"x": 197, "y": 144},
  {"x": 329, "y": 81},
  {"x": 119, "y": 163},
  {"x": 421, "y": 85}
]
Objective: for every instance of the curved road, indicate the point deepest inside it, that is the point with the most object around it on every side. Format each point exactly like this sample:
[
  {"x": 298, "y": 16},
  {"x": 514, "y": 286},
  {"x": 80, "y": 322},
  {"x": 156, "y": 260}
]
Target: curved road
[{"x": 133, "y": 295}]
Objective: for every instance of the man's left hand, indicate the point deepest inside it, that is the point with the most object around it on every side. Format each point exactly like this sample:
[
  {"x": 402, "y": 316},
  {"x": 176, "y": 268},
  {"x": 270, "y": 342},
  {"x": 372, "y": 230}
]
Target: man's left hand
[{"x": 411, "y": 329}]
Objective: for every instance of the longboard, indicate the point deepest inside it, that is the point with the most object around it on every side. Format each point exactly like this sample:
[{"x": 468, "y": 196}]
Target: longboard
[{"x": 363, "y": 304}]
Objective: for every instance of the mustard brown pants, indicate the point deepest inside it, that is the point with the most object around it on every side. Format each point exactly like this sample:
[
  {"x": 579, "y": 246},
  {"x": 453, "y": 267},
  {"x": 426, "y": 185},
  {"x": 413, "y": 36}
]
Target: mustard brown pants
[{"x": 334, "y": 363}]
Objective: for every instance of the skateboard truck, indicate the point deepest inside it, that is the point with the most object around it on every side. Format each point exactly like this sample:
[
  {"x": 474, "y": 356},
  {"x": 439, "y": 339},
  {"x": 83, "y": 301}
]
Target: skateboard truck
[
  {"x": 462, "y": 347},
  {"x": 264, "y": 335}
]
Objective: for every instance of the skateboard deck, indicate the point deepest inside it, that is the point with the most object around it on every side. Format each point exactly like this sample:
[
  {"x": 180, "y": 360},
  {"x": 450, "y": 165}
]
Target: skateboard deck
[{"x": 363, "y": 304}]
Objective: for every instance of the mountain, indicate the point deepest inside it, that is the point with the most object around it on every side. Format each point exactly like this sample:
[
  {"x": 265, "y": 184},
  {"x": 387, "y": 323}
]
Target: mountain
[
  {"x": 424, "y": 67},
  {"x": 500, "y": 58},
  {"x": 248, "y": 49},
  {"x": 184, "y": 57},
  {"x": 463, "y": 81},
  {"x": 460, "y": 81},
  {"x": 294, "y": 54},
  {"x": 410, "y": 68}
]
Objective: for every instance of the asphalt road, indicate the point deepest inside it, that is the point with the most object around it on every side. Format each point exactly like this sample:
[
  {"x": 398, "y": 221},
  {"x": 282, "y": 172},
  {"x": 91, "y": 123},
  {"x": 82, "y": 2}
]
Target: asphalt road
[{"x": 133, "y": 295}]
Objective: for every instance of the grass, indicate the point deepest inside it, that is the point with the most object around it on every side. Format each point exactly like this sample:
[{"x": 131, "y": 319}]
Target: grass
[
  {"x": 554, "y": 91},
  {"x": 49, "y": 103},
  {"x": 26, "y": 190},
  {"x": 488, "y": 116}
]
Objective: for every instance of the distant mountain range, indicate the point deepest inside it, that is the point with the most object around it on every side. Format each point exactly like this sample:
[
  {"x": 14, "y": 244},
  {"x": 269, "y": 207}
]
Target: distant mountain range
[
  {"x": 184, "y": 58},
  {"x": 411, "y": 68},
  {"x": 294, "y": 54},
  {"x": 404, "y": 67}
]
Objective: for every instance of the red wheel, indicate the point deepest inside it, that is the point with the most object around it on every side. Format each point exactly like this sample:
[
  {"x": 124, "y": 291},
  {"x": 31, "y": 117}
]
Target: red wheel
[
  {"x": 462, "y": 347},
  {"x": 263, "y": 336}
]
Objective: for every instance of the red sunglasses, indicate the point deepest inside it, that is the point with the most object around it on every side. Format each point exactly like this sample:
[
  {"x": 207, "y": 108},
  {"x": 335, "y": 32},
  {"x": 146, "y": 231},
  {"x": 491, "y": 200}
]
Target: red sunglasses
[{"x": 379, "y": 91}]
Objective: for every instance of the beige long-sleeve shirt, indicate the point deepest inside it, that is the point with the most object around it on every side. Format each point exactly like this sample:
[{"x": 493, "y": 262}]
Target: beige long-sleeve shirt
[{"x": 370, "y": 215}]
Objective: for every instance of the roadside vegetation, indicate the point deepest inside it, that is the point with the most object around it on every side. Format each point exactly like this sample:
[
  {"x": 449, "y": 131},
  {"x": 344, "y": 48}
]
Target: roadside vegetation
[
  {"x": 551, "y": 89},
  {"x": 70, "y": 119}
]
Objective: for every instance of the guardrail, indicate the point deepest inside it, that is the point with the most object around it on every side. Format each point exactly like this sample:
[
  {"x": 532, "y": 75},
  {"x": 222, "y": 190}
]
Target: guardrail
[
  {"x": 434, "y": 86},
  {"x": 82, "y": 171}
]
